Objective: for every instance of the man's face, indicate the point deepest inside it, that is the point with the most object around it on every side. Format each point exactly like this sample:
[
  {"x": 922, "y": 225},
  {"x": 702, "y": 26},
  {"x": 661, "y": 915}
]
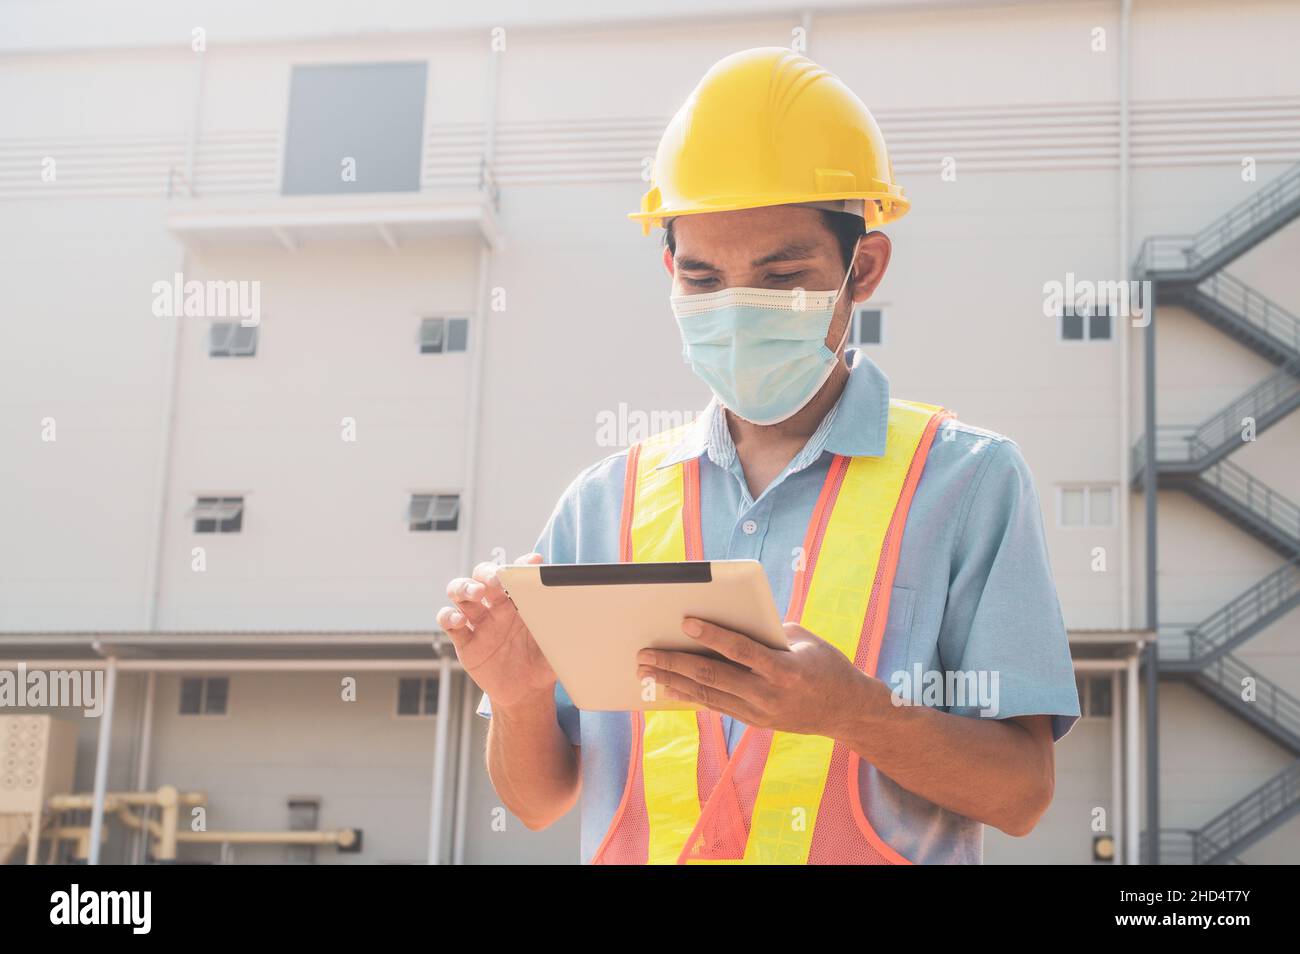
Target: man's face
[{"x": 783, "y": 247}]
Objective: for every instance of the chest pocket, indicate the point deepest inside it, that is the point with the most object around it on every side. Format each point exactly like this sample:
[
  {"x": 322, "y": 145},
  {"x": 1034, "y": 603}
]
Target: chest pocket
[{"x": 895, "y": 650}]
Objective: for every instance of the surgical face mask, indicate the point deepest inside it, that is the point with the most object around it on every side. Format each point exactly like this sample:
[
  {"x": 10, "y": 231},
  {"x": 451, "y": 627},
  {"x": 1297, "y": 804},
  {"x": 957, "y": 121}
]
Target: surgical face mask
[{"x": 762, "y": 351}]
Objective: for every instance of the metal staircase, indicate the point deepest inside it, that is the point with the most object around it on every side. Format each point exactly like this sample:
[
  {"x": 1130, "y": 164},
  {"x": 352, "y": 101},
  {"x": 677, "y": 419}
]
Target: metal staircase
[
  {"x": 1183, "y": 259},
  {"x": 1188, "y": 271},
  {"x": 1236, "y": 828},
  {"x": 1273, "y": 711},
  {"x": 1242, "y": 313}
]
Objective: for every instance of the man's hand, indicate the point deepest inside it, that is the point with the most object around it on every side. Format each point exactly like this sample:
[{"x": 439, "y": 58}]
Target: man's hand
[
  {"x": 997, "y": 771},
  {"x": 813, "y": 689},
  {"x": 491, "y": 640}
]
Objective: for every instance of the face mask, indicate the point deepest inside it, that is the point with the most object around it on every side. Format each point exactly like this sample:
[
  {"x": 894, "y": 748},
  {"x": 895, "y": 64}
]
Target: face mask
[{"x": 762, "y": 351}]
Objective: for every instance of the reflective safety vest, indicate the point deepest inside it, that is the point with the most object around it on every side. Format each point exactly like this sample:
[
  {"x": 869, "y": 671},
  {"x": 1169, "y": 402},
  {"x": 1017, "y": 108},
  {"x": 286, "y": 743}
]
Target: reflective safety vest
[{"x": 780, "y": 797}]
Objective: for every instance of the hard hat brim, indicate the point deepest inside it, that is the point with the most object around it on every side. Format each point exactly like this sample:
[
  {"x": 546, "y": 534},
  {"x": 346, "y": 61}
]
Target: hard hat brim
[{"x": 891, "y": 207}]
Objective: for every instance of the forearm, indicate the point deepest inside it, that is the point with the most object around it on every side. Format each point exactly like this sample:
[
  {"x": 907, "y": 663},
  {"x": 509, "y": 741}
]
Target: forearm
[
  {"x": 531, "y": 762},
  {"x": 993, "y": 771}
]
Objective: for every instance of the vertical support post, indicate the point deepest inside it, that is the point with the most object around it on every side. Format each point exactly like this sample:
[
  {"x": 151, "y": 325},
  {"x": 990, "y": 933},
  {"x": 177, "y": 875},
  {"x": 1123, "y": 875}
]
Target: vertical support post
[
  {"x": 101, "y": 761},
  {"x": 1117, "y": 710},
  {"x": 1151, "y": 493},
  {"x": 1153, "y": 749},
  {"x": 141, "y": 844},
  {"x": 440, "y": 761},
  {"x": 1131, "y": 824},
  {"x": 467, "y": 689}
]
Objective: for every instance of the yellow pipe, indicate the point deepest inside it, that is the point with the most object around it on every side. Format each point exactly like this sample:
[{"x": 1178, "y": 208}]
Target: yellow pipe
[{"x": 168, "y": 832}]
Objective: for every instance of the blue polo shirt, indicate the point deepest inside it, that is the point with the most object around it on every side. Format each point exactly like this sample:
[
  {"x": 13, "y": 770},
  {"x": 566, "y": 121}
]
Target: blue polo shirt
[{"x": 973, "y": 591}]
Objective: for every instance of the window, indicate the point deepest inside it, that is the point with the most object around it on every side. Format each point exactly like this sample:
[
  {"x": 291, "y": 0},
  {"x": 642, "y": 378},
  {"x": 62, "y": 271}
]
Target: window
[
  {"x": 868, "y": 326},
  {"x": 304, "y": 815},
  {"x": 354, "y": 127},
  {"x": 218, "y": 514},
  {"x": 204, "y": 695},
  {"x": 230, "y": 339},
  {"x": 417, "y": 697},
  {"x": 443, "y": 335},
  {"x": 434, "y": 512},
  {"x": 1094, "y": 695},
  {"x": 1082, "y": 324},
  {"x": 1086, "y": 506}
]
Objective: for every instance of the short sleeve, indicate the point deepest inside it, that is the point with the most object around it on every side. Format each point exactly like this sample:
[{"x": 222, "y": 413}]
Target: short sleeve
[
  {"x": 1003, "y": 621},
  {"x": 557, "y": 544}
]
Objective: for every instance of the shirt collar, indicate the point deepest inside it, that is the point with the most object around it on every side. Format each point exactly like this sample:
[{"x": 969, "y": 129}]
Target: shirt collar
[{"x": 855, "y": 426}]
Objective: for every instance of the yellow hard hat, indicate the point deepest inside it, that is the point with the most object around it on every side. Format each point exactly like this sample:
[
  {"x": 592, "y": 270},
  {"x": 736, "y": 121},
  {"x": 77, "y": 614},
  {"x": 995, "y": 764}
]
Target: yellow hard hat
[{"x": 769, "y": 126}]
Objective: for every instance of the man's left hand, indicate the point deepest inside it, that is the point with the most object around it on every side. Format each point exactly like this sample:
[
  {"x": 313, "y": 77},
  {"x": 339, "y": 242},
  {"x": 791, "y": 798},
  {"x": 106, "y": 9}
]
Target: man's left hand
[{"x": 812, "y": 689}]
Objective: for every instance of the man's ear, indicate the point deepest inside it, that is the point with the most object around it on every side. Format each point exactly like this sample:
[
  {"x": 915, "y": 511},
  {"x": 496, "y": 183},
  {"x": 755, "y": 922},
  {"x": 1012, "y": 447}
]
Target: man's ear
[
  {"x": 870, "y": 264},
  {"x": 668, "y": 262}
]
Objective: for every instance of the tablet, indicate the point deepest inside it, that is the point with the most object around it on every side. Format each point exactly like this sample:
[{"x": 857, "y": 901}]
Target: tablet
[{"x": 591, "y": 619}]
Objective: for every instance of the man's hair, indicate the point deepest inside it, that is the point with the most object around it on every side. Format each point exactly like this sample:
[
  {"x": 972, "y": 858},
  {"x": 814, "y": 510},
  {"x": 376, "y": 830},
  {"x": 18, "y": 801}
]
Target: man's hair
[{"x": 845, "y": 226}]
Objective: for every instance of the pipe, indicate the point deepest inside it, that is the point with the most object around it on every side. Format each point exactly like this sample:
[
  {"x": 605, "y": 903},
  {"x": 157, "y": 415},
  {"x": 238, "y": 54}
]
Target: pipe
[
  {"x": 1117, "y": 826},
  {"x": 1100, "y": 665},
  {"x": 154, "y": 578},
  {"x": 1153, "y": 748},
  {"x": 478, "y": 339},
  {"x": 440, "y": 763},
  {"x": 236, "y": 665},
  {"x": 142, "y": 761},
  {"x": 462, "y": 766},
  {"x": 1131, "y": 823},
  {"x": 101, "y": 762},
  {"x": 113, "y": 800},
  {"x": 1151, "y": 500},
  {"x": 1125, "y": 396}
]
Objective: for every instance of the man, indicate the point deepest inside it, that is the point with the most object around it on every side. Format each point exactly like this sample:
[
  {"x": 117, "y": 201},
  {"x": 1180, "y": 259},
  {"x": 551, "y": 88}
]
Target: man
[{"x": 901, "y": 542}]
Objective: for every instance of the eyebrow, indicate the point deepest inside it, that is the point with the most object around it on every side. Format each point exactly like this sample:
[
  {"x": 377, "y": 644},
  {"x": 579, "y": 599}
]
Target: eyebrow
[{"x": 794, "y": 252}]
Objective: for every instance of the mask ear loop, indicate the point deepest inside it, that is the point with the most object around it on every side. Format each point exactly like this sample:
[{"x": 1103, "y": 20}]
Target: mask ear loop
[{"x": 852, "y": 264}]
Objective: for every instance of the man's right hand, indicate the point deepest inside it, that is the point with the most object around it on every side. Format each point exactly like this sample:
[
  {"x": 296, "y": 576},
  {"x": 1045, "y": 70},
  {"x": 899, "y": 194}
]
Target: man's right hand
[{"x": 491, "y": 640}]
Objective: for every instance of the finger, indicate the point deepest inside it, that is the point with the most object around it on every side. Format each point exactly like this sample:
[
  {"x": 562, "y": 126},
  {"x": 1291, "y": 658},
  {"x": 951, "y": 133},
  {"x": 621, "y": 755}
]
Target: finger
[
  {"x": 467, "y": 595},
  {"x": 737, "y": 647},
  {"x": 702, "y": 670},
  {"x": 486, "y": 573},
  {"x": 681, "y": 688},
  {"x": 455, "y": 625},
  {"x": 494, "y": 590}
]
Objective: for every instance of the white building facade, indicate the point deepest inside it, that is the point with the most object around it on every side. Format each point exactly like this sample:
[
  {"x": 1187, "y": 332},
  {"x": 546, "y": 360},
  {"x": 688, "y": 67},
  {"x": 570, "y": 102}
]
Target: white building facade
[{"x": 423, "y": 306}]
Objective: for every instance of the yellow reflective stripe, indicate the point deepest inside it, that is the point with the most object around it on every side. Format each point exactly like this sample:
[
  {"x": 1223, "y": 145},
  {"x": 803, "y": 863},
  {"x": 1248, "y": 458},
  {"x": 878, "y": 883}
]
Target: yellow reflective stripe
[
  {"x": 789, "y": 795},
  {"x": 670, "y": 739},
  {"x": 657, "y": 534},
  {"x": 671, "y": 750}
]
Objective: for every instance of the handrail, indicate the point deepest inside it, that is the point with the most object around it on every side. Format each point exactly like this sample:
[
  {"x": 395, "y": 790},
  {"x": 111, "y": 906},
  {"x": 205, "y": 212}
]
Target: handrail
[
  {"x": 1269, "y": 200},
  {"x": 1246, "y": 609},
  {"x": 1173, "y": 252},
  {"x": 1256, "y": 309},
  {"x": 1267, "y": 504},
  {"x": 1275, "y": 390},
  {"x": 1189, "y": 443},
  {"x": 1271, "y": 700},
  {"x": 1259, "y": 807}
]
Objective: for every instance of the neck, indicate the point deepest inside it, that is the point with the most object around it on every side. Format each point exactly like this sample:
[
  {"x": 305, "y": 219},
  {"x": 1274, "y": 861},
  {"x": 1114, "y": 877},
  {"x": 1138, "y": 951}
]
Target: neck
[{"x": 796, "y": 429}]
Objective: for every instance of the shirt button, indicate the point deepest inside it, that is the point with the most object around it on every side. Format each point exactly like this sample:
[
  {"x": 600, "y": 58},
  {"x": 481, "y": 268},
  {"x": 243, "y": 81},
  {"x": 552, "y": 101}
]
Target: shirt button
[{"x": 749, "y": 526}]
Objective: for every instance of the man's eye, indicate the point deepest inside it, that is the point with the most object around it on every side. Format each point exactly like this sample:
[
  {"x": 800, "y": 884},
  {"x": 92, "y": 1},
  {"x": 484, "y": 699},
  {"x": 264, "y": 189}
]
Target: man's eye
[
  {"x": 786, "y": 277},
  {"x": 698, "y": 282}
]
